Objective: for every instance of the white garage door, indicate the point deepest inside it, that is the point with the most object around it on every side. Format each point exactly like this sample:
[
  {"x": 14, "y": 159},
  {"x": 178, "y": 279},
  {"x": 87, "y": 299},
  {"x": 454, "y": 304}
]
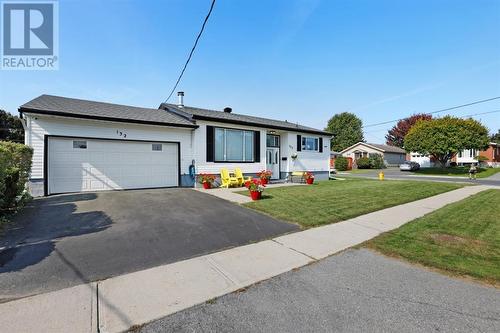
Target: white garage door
[{"x": 76, "y": 165}]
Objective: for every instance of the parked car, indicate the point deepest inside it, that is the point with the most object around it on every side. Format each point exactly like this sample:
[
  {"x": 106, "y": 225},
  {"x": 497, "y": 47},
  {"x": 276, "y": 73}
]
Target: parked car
[{"x": 409, "y": 166}]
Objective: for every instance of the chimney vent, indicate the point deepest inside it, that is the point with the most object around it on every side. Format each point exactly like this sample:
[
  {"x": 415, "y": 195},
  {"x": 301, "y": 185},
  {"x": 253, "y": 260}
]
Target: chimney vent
[
  {"x": 227, "y": 110},
  {"x": 180, "y": 96}
]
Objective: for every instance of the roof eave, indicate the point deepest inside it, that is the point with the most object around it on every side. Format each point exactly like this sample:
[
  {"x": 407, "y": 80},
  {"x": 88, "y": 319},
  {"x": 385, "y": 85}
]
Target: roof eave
[
  {"x": 248, "y": 123},
  {"x": 91, "y": 117}
]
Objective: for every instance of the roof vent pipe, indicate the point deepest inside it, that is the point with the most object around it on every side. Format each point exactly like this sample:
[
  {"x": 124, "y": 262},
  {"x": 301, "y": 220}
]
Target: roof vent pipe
[
  {"x": 227, "y": 110},
  {"x": 180, "y": 96}
]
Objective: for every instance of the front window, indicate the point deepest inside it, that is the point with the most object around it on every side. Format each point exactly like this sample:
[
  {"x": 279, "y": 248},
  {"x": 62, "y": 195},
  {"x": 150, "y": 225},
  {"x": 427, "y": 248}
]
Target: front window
[
  {"x": 359, "y": 154},
  {"x": 310, "y": 143},
  {"x": 232, "y": 145}
]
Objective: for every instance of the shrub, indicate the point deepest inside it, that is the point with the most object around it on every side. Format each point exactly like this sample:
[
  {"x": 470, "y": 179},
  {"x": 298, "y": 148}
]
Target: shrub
[
  {"x": 363, "y": 163},
  {"x": 15, "y": 166},
  {"x": 376, "y": 162},
  {"x": 341, "y": 163},
  {"x": 453, "y": 164}
]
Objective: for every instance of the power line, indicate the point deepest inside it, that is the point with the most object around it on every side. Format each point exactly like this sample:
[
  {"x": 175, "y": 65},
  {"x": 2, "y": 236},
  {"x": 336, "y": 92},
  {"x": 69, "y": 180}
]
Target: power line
[
  {"x": 437, "y": 111},
  {"x": 478, "y": 114},
  {"x": 192, "y": 50}
]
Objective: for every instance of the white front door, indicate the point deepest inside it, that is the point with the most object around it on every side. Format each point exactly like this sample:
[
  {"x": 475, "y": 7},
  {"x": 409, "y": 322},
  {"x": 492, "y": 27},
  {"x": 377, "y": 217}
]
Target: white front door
[{"x": 273, "y": 162}]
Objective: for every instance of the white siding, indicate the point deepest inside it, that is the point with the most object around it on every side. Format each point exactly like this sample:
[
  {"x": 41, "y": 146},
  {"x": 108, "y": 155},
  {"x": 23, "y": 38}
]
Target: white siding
[
  {"x": 39, "y": 126},
  {"x": 310, "y": 161},
  {"x": 307, "y": 160},
  {"x": 200, "y": 150},
  {"x": 467, "y": 156},
  {"x": 193, "y": 143}
]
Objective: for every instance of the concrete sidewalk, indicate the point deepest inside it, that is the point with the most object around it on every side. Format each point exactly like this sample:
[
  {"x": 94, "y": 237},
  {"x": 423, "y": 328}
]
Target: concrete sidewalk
[
  {"x": 144, "y": 296},
  {"x": 230, "y": 195}
]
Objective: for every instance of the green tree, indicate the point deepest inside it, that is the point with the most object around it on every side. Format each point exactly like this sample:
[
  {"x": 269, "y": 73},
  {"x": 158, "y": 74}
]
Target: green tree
[
  {"x": 444, "y": 137},
  {"x": 495, "y": 137},
  {"x": 346, "y": 129},
  {"x": 11, "y": 128}
]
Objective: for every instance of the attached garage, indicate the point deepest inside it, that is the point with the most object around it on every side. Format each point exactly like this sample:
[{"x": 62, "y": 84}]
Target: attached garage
[{"x": 82, "y": 164}]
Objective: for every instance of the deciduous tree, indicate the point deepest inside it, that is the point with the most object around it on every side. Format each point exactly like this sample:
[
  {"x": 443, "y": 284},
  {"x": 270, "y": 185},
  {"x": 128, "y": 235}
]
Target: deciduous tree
[
  {"x": 395, "y": 136},
  {"x": 347, "y": 130},
  {"x": 495, "y": 137},
  {"x": 11, "y": 128},
  {"x": 444, "y": 137}
]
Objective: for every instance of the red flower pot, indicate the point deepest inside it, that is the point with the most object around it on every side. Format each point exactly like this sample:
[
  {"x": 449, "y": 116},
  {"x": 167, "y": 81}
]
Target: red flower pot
[
  {"x": 310, "y": 180},
  {"x": 263, "y": 181},
  {"x": 255, "y": 195},
  {"x": 207, "y": 185}
]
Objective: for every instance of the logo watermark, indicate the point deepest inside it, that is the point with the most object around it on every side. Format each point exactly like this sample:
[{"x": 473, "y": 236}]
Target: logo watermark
[{"x": 30, "y": 35}]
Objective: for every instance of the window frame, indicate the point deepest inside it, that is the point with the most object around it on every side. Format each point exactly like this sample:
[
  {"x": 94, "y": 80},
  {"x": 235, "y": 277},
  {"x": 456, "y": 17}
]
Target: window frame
[
  {"x": 304, "y": 146},
  {"x": 157, "y": 145},
  {"x": 244, "y": 139},
  {"x": 276, "y": 141},
  {"x": 80, "y": 146}
]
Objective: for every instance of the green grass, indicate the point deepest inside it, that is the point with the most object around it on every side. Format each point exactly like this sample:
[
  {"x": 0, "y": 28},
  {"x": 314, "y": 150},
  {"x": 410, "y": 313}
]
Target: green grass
[
  {"x": 355, "y": 171},
  {"x": 457, "y": 171},
  {"x": 333, "y": 201},
  {"x": 462, "y": 238}
]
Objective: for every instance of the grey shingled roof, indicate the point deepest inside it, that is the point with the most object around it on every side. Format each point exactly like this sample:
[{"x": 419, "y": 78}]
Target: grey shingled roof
[
  {"x": 387, "y": 148},
  {"x": 213, "y": 115},
  {"x": 78, "y": 108}
]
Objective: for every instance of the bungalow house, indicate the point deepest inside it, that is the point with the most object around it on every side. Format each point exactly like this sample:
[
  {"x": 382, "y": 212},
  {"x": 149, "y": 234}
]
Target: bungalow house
[
  {"x": 464, "y": 157},
  {"x": 468, "y": 156},
  {"x": 392, "y": 155},
  {"x": 82, "y": 145}
]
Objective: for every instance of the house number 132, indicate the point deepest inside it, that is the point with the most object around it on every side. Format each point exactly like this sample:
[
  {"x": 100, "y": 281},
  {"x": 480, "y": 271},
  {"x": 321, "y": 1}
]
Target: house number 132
[{"x": 122, "y": 134}]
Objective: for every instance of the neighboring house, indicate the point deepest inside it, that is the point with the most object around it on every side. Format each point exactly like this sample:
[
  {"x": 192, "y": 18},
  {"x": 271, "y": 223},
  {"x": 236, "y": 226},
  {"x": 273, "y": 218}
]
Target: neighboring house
[
  {"x": 82, "y": 145},
  {"x": 392, "y": 155},
  {"x": 425, "y": 161},
  {"x": 468, "y": 156},
  {"x": 464, "y": 157}
]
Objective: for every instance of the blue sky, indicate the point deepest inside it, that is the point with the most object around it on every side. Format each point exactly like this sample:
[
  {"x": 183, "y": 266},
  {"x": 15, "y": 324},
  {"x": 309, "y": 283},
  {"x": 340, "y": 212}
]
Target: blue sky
[{"x": 299, "y": 60}]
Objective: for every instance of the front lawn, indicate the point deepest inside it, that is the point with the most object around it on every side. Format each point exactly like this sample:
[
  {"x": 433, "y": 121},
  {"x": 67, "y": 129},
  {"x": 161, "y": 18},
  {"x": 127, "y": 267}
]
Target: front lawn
[
  {"x": 461, "y": 238},
  {"x": 333, "y": 201},
  {"x": 457, "y": 171}
]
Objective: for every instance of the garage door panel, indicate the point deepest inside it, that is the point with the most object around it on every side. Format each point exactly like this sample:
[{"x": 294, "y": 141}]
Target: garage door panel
[{"x": 108, "y": 165}]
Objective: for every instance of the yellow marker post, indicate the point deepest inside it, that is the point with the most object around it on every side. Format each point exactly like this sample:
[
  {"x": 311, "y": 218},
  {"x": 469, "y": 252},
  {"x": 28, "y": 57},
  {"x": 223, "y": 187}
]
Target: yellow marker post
[{"x": 381, "y": 175}]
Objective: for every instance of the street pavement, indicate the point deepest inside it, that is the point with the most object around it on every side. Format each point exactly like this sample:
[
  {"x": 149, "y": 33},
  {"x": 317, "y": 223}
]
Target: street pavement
[
  {"x": 356, "y": 291},
  {"x": 395, "y": 173}
]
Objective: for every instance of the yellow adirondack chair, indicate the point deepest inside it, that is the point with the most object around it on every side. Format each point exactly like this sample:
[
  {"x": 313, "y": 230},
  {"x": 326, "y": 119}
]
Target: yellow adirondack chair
[
  {"x": 239, "y": 175},
  {"x": 226, "y": 179},
  {"x": 298, "y": 174}
]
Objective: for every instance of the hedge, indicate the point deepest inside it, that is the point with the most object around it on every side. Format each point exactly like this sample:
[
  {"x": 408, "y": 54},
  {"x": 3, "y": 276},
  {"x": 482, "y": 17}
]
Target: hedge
[
  {"x": 15, "y": 167},
  {"x": 341, "y": 163},
  {"x": 363, "y": 163},
  {"x": 376, "y": 161}
]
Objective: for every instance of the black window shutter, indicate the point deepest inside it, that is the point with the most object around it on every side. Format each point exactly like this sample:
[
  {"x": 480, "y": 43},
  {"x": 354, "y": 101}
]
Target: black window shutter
[
  {"x": 256, "y": 146},
  {"x": 210, "y": 143},
  {"x": 299, "y": 142},
  {"x": 320, "y": 145}
]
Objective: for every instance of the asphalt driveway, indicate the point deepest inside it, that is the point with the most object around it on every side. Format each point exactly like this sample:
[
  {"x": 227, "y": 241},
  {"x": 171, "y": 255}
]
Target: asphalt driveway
[{"x": 65, "y": 240}]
